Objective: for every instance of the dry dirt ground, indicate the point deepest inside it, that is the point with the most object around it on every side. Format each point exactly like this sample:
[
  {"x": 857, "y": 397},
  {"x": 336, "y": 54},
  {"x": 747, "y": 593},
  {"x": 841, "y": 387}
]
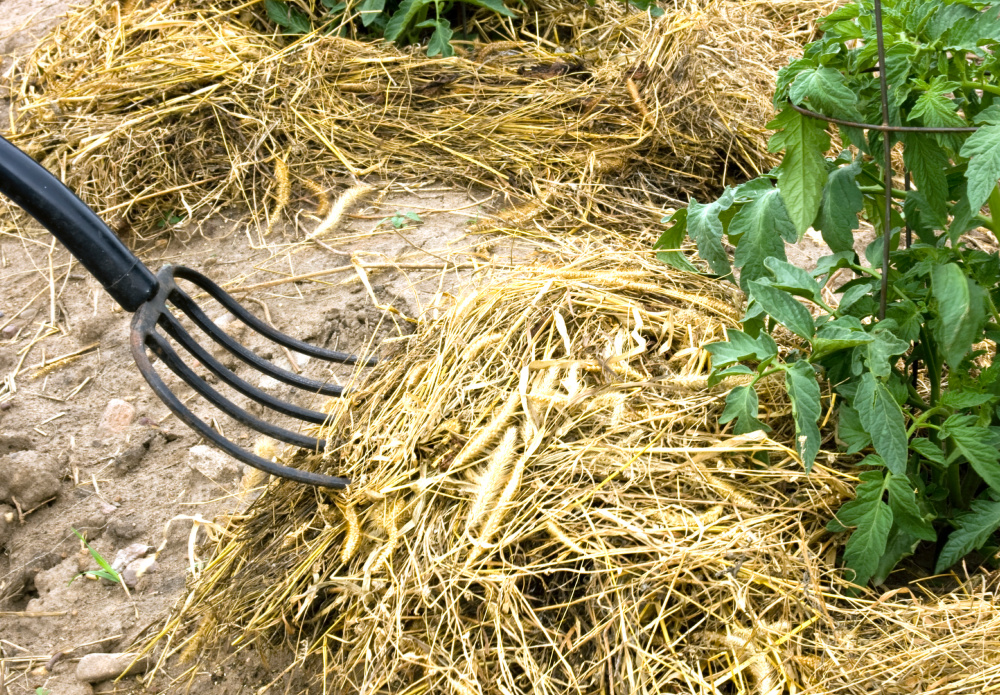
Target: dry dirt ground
[{"x": 84, "y": 443}]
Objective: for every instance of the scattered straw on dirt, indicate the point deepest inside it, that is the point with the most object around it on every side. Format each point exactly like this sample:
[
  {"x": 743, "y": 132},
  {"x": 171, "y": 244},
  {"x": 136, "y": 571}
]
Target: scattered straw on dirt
[
  {"x": 543, "y": 505},
  {"x": 174, "y": 108}
]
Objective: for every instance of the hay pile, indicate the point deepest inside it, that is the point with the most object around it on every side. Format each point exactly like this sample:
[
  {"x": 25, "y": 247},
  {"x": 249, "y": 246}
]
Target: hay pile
[
  {"x": 167, "y": 108},
  {"x": 544, "y": 503}
]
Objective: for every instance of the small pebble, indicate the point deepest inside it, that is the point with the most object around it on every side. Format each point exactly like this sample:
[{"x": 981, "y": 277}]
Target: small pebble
[
  {"x": 6, "y": 405},
  {"x": 117, "y": 417},
  {"x": 94, "y": 668},
  {"x": 10, "y": 331}
]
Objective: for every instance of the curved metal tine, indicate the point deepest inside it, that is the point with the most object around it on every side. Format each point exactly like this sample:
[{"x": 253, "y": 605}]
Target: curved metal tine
[
  {"x": 182, "y": 412},
  {"x": 159, "y": 345},
  {"x": 176, "y": 331},
  {"x": 234, "y": 307},
  {"x": 185, "y": 304}
]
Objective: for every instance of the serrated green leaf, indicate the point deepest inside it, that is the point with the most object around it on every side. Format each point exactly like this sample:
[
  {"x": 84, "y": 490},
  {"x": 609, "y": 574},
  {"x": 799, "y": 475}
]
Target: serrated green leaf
[
  {"x": 287, "y": 17},
  {"x": 846, "y": 12},
  {"x": 802, "y": 173},
  {"x": 840, "y": 204},
  {"x": 882, "y": 418},
  {"x": 983, "y": 150},
  {"x": 762, "y": 224},
  {"x": 899, "y": 545},
  {"x": 927, "y": 449},
  {"x": 439, "y": 44},
  {"x": 960, "y": 311},
  {"x": 704, "y": 226},
  {"x": 927, "y": 163},
  {"x": 742, "y": 405},
  {"x": 945, "y": 17},
  {"x": 803, "y": 391},
  {"x": 403, "y": 17},
  {"x": 370, "y": 10},
  {"x": 962, "y": 400},
  {"x": 850, "y": 430},
  {"x": 783, "y": 308},
  {"x": 671, "y": 239},
  {"x": 793, "y": 279},
  {"x": 741, "y": 347},
  {"x": 898, "y": 61},
  {"x": 880, "y": 351},
  {"x": 975, "y": 444},
  {"x": 832, "y": 338},
  {"x": 905, "y": 509},
  {"x": 872, "y": 519},
  {"x": 827, "y": 92},
  {"x": 495, "y": 5},
  {"x": 972, "y": 529}
]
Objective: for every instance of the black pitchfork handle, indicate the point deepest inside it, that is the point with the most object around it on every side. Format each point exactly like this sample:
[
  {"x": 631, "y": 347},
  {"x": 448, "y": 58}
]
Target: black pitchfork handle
[{"x": 59, "y": 210}]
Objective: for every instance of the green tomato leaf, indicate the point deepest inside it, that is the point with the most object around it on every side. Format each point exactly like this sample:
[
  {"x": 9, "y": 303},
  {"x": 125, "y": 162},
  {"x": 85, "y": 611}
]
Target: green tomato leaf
[
  {"x": 905, "y": 509},
  {"x": 983, "y": 150},
  {"x": 898, "y": 61},
  {"x": 783, "y": 308},
  {"x": 972, "y": 529},
  {"x": 495, "y": 5},
  {"x": 370, "y": 10},
  {"x": 834, "y": 337},
  {"x": 872, "y": 519},
  {"x": 803, "y": 391},
  {"x": 742, "y": 405},
  {"x": 976, "y": 445},
  {"x": 802, "y": 173},
  {"x": 841, "y": 202},
  {"x": 927, "y": 449},
  {"x": 762, "y": 224},
  {"x": 287, "y": 17},
  {"x": 880, "y": 351},
  {"x": 671, "y": 239},
  {"x": 793, "y": 279},
  {"x": 827, "y": 92},
  {"x": 900, "y": 544},
  {"x": 963, "y": 400},
  {"x": 440, "y": 44},
  {"x": 882, "y": 418},
  {"x": 928, "y": 163},
  {"x": 850, "y": 431},
  {"x": 960, "y": 311},
  {"x": 741, "y": 347},
  {"x": 402, "y": 18},
  {"x": 704, "y": 225}
]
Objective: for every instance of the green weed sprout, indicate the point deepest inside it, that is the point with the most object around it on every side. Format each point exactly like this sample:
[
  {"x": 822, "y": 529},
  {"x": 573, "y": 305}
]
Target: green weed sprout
[{"x": 106, "y": 571}]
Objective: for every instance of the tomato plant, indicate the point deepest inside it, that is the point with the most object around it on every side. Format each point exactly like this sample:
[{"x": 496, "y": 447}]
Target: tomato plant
[{"x": 932, "y": 469}]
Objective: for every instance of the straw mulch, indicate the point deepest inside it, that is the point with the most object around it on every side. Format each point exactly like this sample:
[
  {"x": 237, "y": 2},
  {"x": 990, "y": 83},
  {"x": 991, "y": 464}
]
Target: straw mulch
[
  {"x": 153, "y": 110},
  {"x": 545, "y": 503}
]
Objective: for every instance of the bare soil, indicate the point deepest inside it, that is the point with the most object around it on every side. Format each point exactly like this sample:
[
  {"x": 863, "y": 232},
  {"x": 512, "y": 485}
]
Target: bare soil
[{"x": 149, "y": 480}]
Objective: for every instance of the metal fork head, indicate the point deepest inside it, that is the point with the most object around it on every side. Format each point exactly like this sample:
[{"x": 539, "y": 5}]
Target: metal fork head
[{"x": 145, "y": 337}]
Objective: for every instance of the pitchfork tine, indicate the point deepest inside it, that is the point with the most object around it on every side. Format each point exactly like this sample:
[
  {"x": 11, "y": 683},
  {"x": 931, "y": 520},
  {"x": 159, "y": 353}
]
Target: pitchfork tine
[{"x": 137, "y": 290}]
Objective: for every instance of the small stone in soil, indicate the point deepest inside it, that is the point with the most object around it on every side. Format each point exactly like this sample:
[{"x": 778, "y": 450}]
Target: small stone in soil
[
  {"x": 95, "y": 668},
  {"x": 117, "y": 417},
  {"x": 10, "y": 331}
]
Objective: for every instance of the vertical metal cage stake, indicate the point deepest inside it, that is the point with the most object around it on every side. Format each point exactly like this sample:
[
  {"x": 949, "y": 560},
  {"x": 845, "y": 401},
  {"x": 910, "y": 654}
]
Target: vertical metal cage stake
[
  {"x": 153, "y": 299},
  {"x": 886, "y": 131}
]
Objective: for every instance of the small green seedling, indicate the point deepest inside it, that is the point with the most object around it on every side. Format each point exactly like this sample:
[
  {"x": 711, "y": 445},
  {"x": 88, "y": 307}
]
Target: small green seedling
[
  {"x": 400, "y": 219},
  {"x": 42, "y": 691},
  {"x": 170, "y": 220},
  {"x": 106, "y": 571}
]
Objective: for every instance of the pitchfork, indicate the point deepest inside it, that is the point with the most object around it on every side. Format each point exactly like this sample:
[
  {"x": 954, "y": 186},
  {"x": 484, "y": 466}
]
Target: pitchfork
[{"x": 147, "y": 296}]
